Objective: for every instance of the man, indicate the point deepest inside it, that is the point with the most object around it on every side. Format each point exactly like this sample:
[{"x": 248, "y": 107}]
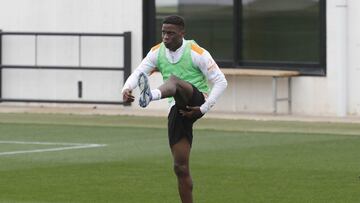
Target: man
[{"x": 186, "y": 69}]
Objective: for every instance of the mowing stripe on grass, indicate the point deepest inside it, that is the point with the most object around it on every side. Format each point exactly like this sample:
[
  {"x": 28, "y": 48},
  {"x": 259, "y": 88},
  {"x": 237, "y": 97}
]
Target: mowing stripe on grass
[{"x": 67, "y": 146}]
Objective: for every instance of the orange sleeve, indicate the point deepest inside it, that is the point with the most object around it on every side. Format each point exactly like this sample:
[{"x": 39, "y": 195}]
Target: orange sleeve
[
  {"x": 197, "y": 48},
  {"x": 155, "y": 47}
]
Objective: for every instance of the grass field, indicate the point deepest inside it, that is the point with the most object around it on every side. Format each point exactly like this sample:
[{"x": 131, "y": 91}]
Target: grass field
[{"x": 232, "y": 160}]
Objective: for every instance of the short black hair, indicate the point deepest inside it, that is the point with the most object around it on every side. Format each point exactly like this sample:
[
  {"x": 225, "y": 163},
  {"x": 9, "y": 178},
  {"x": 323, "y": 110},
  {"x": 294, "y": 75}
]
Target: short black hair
[{"x": 175, "y": 20}]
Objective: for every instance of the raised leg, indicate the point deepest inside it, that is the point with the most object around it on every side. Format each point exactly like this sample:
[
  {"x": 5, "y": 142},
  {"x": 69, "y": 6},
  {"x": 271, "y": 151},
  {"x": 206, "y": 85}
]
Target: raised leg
[{"x": 174, "y": 87}]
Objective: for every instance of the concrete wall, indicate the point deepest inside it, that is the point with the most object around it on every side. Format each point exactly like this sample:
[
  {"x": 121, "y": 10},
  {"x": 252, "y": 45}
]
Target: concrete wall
[
  {"x": 100, "y": 16},
  {"x": 335, "y": 94},
  {"x": 354, "y": 57}
]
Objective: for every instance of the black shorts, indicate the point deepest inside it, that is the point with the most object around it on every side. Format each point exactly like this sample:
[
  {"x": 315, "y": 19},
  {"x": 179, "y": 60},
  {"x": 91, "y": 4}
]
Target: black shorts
[{"x": 180, "y": 126}]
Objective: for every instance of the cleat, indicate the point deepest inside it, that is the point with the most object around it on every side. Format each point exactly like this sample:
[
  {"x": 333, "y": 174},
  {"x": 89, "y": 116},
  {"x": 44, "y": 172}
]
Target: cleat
[{"x": 145, "y": 93}]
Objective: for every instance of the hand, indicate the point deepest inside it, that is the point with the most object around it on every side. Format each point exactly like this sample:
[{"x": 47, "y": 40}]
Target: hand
[
  {"x": 127, "y": 96},
  {"x": 192, "y": 112}
]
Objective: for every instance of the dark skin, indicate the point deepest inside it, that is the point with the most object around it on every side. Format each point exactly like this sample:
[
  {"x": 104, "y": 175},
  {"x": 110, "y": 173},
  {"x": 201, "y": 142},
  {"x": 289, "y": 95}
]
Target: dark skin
[
  {"x": 172, "y": 37},
  {"x": 182, "y": 91},
  {"x": 127, "y": 96}
]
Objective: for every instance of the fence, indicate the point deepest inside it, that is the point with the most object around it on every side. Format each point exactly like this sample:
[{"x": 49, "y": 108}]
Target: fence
[{"x": 34, "y": 92}]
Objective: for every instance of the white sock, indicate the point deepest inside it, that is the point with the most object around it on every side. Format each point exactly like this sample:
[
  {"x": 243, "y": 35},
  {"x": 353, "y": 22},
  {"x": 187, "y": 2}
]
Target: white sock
[{"x": 156, "y": 94}]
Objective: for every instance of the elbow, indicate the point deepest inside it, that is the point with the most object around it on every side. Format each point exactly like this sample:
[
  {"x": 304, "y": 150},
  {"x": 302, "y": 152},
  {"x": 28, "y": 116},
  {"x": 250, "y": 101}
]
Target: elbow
[{"x": 224, "y": 83}]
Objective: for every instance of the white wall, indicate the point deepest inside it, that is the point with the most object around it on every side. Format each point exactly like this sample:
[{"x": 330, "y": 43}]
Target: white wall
[
  {"x": 336, "y": 94},
  {"x": 354, "y": 57},
  {"x": 100, "y": 16},
  {"x": 326, "y": 95},
  {"x": 333, "y": 95}
]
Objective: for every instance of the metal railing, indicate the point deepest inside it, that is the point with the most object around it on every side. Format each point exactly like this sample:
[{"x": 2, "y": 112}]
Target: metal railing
[{"x": 126, "y": 69}]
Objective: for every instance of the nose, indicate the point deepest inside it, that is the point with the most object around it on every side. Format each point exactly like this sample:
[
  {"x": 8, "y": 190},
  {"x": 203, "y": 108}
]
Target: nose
[{"x": 165, "y": 37}]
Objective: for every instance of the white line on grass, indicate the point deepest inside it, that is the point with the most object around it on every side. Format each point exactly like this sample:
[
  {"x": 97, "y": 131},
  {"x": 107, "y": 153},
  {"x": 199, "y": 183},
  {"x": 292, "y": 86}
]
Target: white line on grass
[{"x": 67, "y": 146}]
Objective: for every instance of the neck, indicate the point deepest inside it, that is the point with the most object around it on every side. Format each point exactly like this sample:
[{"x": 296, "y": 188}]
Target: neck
[{"x": 177, "y": 46}]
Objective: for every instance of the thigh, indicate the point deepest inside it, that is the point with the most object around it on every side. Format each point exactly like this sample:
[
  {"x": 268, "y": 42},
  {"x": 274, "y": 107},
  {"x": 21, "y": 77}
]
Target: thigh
[
  {"x": 179, "y": 127},
  {"x": 181, "y": 152},
  {"x": 184, "y": 93},
  {"x": 197, "y": 98}
]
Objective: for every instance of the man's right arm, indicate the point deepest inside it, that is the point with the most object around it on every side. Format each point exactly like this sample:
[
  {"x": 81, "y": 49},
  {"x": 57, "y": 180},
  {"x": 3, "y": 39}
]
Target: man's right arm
[{"x": 147, "y": 65}]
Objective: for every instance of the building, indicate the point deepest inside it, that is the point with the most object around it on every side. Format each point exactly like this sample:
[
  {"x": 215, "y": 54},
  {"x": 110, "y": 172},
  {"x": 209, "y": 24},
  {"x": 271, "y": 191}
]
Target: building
[{"x": 317, "y": 38}]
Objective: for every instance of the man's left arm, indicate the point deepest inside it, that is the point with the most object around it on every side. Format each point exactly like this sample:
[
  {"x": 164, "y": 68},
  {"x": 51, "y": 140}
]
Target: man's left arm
[{"x": 212, "y": 72}]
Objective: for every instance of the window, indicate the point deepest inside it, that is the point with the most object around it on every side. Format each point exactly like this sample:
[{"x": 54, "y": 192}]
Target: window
[
  {"x": 208, "y": 22},
  {"x": 269, "y": 34}
]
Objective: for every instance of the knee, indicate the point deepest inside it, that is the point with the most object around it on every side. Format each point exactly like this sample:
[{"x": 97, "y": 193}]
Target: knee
[
  {"x": 174, "y": 82},
  {"x": 174, "y": 78},
  {"x": 177, "y": 84},
  {"x": 181, "y": 170}
]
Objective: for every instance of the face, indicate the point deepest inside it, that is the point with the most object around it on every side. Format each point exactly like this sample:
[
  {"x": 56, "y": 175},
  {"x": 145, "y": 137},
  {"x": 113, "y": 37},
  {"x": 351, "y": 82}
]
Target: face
[{"x": 172, "y": 36}]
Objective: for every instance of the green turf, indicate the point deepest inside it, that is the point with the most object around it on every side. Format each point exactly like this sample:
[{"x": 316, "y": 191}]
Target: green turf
[{"x": 232, "y": 161}]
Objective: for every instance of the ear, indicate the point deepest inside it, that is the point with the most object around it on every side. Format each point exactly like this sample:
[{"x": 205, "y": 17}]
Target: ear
[{"x": 182, "y": 32}]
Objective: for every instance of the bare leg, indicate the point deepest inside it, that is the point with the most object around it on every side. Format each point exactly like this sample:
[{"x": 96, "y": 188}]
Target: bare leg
[
  {"x": 174, "y": 87},
  {"x": 182, "y": 92},
  {"x": 181, "y": 155}
]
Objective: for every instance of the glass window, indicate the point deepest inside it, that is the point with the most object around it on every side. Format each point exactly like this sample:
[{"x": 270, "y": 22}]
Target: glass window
[
  {"x": 208, "y": 22},
  {"x": 280, "y": 31},
  {"x": 281, "y": 34}
]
